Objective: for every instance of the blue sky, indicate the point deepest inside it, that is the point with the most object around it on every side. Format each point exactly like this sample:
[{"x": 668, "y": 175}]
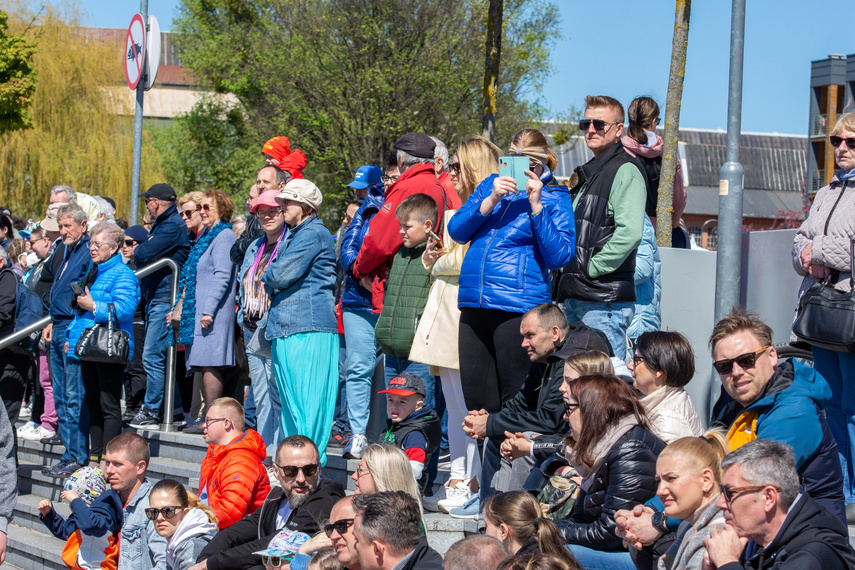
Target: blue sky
[{"x": 601, "y": 54}]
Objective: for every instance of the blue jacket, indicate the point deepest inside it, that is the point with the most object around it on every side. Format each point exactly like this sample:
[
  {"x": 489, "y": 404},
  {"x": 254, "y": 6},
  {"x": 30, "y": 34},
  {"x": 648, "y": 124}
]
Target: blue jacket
[
  {"x": 77, "y": 262},
  {"x": 510, "y": 251},
  {"x": 301, "y": 281},
  {"x": 355, "y": 297},
  {"x": 648, "y": 285},
  {"x": 105, "y": 515},
  {"x": 168, "y": 238},
  {"x": 116, "y": 284}
]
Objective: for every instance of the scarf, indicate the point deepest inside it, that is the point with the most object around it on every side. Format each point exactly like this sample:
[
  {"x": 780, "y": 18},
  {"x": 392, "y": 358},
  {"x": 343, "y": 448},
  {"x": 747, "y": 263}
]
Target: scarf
[
  {"x": 847, "y": 175},
  {"x": 256, "y": 300},
  {"x": 614, "y": 433},
  {"x": 188, "y": 284}
]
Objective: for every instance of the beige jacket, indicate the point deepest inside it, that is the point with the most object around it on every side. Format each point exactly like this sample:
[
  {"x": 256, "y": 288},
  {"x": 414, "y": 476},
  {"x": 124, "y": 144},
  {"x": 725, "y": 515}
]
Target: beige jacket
[
  {"x": 672, "y": 414},
  {"x": 436, "y": 334}
]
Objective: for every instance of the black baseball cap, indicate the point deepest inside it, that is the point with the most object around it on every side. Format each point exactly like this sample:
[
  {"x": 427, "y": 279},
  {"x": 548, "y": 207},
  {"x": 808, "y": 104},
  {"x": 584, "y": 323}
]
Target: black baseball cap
[
  {"x": 417, "y": 144},
  {"x": 581, "y": 338},
  {"x": 405, "y": 384},
  {"x": 161, "y": 191}
]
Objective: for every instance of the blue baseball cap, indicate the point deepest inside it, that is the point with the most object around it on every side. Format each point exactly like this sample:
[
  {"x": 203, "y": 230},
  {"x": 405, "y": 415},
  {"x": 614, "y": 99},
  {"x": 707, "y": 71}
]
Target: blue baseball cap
[{"x": 366, "y": 176}]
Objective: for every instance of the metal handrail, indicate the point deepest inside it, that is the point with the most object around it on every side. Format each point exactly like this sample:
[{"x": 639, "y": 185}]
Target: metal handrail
[{"x": 169, "y": 380}]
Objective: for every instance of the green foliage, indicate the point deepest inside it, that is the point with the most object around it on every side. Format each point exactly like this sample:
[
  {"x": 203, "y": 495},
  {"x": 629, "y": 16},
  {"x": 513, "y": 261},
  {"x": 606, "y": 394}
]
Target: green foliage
[
  {"x": 17, "y": 78},
  {"x": 343, "y": 79}
]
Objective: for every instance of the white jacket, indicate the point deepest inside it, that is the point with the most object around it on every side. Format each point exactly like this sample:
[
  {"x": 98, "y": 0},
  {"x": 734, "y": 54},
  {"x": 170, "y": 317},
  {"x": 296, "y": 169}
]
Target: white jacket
[{"x": 672, "y": 414}]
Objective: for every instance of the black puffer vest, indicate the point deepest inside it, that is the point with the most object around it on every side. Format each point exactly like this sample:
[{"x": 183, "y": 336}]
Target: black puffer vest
[
  {"x": 428, "y": 423},
  {"x": 594, "y": 228}
]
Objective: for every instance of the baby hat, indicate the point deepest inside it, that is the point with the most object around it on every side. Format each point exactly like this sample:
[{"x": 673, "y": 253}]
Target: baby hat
[{"x": 88, "y": 482}]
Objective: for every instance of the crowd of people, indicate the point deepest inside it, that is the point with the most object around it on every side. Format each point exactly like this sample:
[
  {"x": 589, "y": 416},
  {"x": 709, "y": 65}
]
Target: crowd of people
[{"x": 516, "y": 322}]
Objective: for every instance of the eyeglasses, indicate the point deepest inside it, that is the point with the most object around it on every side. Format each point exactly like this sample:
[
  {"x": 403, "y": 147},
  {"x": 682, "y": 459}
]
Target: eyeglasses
[
  {"x": 745, "y": 361},
  {"x": 206, "y": 207},
  {"x": 636, "y": 360},
  {"x": 130, "y": 242},
  {"x": 275, "y": 561},
  {"x": 360, "y": 471},
  {"x": 454, "y": 167},
  {"x": 210, "y": 421},
  {"x": 835, "y": 141},
  {"x": 339, "y": 526},
  {"x": 730, "y": 493},
  {"x": 568, "y": 407},
  {"x": 291, "y": 470},
  {"x": 268, "y": 212},
  {"x": 599, "y": 124},
  {"x": 190, "y": 212},
  {"x": 167, "y": 512},
  {"x": 97, "y": 245},
  {"x": 387, "y": 179}
]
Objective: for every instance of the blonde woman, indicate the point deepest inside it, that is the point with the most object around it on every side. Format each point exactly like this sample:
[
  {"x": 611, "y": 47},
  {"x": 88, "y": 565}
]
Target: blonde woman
[
  {"x": 435, "y": 342},
  {"x": 385, "y": 468}
]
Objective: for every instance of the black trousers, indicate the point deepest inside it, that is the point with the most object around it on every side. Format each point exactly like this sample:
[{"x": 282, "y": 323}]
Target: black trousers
[
  {"x": 102, "y": 384},
  {"x": 134, "y": 375},
  {"x": 493, "y": 363}
]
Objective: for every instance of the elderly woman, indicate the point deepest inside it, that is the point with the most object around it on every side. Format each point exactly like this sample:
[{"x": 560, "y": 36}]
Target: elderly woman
[
  {"x": 208, "y": 285},
  {"x": 301, "y": 321},
  {"x": 821, "y": 250},
  {"x": 110, "y": 288}
]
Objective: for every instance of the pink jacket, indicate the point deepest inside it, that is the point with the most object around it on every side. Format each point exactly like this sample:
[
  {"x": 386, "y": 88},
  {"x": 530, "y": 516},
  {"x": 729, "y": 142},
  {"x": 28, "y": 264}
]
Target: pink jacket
[{"x": 679, "y": 204}]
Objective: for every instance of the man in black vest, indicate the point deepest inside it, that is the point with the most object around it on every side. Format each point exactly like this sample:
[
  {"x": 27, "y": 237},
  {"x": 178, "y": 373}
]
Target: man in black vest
[{"x": 598, "y": 286}]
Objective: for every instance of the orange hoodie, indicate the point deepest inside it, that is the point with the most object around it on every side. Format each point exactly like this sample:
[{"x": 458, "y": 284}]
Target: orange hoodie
[{"x": 233, "y": 479}]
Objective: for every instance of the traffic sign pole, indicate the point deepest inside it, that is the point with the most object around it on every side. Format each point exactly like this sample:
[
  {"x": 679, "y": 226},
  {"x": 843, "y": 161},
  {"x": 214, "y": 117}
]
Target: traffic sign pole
[{"x": 138, "y": 124}]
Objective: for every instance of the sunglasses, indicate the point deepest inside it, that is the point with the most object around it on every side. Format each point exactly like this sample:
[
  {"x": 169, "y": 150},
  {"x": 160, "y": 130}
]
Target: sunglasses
[
  {"x": 190, "y": 212},
  {"x": 835, "y": 141},
  {"x": 731, "y": 493},
  {"x": 150, "y": 199},
  {"x": 130, "y": 242},
  {"x": 275, "y": 561},
  {"x": 339, "y": 526},
  {"x": 568, "y": 407},
  {"x": 599, "y": 124},
  {"x": 206, "y": 207},
  {"x": 745, "y": 361},
  {"x": 167, "y": 512},
  {"x": 291, "y": 470},
  {"x": 454, "y": 167}
]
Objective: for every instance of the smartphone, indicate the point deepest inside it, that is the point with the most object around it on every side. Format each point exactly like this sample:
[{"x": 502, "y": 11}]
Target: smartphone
[
  {"x": 515, "y": 167},
  {"x": 437, "y": 239},
  {"x": 77, "y": 290}
]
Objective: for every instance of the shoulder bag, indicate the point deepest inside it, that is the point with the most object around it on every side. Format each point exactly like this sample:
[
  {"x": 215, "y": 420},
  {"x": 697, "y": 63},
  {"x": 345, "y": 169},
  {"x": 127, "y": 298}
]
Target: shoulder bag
[{"x": 104, "y": 342}]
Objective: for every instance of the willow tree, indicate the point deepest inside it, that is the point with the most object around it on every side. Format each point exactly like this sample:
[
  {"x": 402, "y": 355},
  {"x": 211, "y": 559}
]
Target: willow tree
[
  {"x": 76, "y": 136},
  {"x": 493, "y": 49},
  {"x": 673, "y": 101}
]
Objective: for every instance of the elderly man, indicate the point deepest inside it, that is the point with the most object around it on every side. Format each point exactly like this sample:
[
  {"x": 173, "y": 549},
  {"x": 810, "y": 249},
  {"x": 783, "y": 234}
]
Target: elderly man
[
  {"x": 303, "y": 500},
  {"x": 764, "y": 398},
  {"x": 761, "y": 502},
  {"x": 388, "y": 531},
  {"x": 168, "y": 238},
  {"x": 268, "y": 178},
  {"x": 440, "y": 165}
]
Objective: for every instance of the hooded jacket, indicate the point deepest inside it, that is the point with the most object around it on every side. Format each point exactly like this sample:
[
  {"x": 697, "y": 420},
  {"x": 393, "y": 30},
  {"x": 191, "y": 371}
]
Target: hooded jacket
[
  {"x": 232, "y": 548},
  {"x": 192, "y": 535},
  {"x": 790, "y": 410},
  {"x": 355, "y": 297},
  {"x": 511, "y": 251},
  {"x": 810, "y": 538},
  {"x": 233, "y": 478}
]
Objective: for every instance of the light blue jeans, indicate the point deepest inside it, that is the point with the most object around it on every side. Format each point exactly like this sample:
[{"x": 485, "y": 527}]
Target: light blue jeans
[
  {"x": 838, "y": 369},
  {"x": 611, "y": 318},
  {"x": 590, "y": 559},
  {"x": 362, "y": 354},
  {"x": 268, "y": 408},
  {"x": 72, "y": 414}
]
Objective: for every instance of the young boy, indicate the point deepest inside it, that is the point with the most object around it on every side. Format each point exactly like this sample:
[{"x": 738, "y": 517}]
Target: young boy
[
  {"x": 412, "y": 426},
  {"x": 407, "y": 287},
  {"x": 96, "y": 517}
]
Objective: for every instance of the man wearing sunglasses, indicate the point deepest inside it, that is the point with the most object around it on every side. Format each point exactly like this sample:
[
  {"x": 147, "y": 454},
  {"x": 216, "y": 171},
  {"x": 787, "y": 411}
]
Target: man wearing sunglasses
[
  {"x": 303, "y": 501},
  {"x": 761, "y": 501},
  {"x": 598, "y": 286},
  {"x": 781, "y": 400}
]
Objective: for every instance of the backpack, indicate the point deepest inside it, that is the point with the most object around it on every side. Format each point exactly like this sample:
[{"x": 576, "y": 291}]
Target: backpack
[
  {"x": 28, "y": 310},
  {"x": 652, "y": 168}
]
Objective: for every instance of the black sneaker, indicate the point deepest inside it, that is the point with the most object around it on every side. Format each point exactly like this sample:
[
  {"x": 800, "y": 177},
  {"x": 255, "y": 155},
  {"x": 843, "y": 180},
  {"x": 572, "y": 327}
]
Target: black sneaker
[
  {"x": 196, "y": 429},
  {"x": 145, "y": 419},
  {"x": 178, "y": 420},
  {"x": 58, "y": 469},
  {"x": 52, "y": 440},
  {"x": 66, "y": 470},
  {"x": 129, "y": 415},
  {"x": 338, "y": 438}
]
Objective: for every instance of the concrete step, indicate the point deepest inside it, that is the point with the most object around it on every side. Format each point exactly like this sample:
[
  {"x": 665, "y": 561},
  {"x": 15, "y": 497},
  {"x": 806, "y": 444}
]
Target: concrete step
[
  {"x": 31, "y": 550},
  {"x": 27, "y": 513}
]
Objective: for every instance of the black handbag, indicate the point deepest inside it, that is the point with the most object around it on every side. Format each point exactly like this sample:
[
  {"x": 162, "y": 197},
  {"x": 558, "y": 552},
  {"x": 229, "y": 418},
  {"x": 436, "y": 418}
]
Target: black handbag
[
  {"x": 826, "y": 316},
  {"x": 103, "y": 342}
]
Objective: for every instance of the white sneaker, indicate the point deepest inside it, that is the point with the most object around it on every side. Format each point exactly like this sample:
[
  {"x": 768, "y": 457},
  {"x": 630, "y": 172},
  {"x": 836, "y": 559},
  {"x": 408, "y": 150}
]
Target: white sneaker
[
  {"x": 355, "y": 448},
  {"x": 429, "y": 503},
  {"x": 455, "y": 497},
  {"x": 38, "y": 434},
  {"x": 25, "y": 412},
  {"x": 26, "y": 428}
]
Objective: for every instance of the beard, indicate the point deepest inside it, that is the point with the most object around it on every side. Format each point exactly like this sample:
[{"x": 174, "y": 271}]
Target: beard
[{"x": 299, "y": 499}]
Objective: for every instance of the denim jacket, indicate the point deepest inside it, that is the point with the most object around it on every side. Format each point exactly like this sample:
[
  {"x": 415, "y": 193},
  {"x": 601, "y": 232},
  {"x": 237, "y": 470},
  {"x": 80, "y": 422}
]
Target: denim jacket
[
  {"x": 300, "y": 280},
  {"x": 140, "y": 547}
]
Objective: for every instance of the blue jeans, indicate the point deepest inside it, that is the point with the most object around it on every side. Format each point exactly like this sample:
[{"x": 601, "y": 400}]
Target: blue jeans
[
  {"x": 498, "y": 475},
  {"x": 361, "y": 361},
  {"x": 838, "y": 369},
  {"x": 611, "y": 318},
  {"x": 154, "y": 356},
  {"x": 249, "y": 419},
  {"x": 73, "y": 416},
  {"x": 268, "y": 407},
  {"x": 590, "y": 559}
]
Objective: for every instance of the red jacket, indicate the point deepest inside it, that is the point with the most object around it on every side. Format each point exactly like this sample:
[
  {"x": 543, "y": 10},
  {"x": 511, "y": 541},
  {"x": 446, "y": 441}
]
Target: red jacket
[
  {"x": 234, "y": 479},
  {"x": 383, "y": 239}
]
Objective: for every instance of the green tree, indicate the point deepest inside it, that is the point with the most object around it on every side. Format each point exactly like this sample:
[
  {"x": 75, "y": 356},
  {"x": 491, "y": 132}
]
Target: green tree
[
  {"x": 17, "y": 78},
  {"x": 343, "y": 79}
]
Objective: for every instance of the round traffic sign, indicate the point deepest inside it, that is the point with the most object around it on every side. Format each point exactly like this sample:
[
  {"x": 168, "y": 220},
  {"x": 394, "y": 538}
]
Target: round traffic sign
[{"x": 135, "y": 51}]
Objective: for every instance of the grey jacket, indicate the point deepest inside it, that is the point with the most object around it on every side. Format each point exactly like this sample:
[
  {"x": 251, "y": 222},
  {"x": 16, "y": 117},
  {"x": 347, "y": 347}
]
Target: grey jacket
[
  {"x": 141, "y": 548},
  {"x": 186, "y": 554}
]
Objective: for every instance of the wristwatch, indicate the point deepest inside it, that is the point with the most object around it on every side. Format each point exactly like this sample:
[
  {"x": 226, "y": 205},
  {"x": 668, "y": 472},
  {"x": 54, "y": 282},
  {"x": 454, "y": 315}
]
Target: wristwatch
[{"x": 659, "y": 521}]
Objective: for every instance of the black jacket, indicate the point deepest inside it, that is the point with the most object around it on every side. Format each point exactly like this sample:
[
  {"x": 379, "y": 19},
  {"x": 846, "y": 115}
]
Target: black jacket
[
  {"x": 626, "y": 478},
  {"x": 811, "y": 538},
  {"x": 251, "y": 232},
  {"x": 424, "y": 558},
  {"x": 232, "y": 548},
  {"x": 537, "y": 407}
]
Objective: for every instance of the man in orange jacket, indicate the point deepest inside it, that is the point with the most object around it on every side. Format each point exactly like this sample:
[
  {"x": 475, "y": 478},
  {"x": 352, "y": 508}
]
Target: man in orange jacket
[{"x": 233, "y": 481}]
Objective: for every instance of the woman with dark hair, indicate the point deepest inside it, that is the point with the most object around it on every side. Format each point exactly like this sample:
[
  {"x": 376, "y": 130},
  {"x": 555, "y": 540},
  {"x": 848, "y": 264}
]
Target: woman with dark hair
[
  {"x": 208, "y": 287},
  {"x": 515, "y": 238},
  {"x": 613, "y": 449},
  {"x": 183, "y": 520},
  {"x": 664, "y": 362}
]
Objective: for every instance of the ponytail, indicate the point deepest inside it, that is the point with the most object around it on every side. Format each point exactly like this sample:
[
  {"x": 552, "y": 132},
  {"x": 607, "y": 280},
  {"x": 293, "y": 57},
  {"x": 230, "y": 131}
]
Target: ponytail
[
  {"x": 195, "y": 502},
  {"x": 641, "y": 112},
  {"x": 184, "y": 498}
]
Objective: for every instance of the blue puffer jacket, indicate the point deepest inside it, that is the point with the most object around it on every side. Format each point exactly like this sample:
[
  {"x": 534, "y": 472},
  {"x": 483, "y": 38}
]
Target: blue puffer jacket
[
  {"x": 116, "y": 284},
  {"x": 355, "y": 297},
  {"x": 648, "y": 285},
  {"x": 300, "y": 281},
  {"x": 511, "y": 252}
]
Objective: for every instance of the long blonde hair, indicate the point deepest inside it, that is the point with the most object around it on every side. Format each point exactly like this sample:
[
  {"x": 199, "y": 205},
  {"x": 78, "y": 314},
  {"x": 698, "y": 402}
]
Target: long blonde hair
[
  {"x": 391, "y": 470},
  {"x": 479, "y": 158},
  {"x": 591, "y": 362}
]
